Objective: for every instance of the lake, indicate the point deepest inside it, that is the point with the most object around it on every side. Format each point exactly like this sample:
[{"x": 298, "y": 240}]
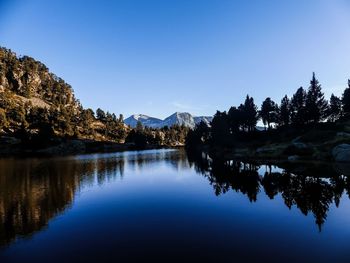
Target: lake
[{"x": 162, "y": 206}]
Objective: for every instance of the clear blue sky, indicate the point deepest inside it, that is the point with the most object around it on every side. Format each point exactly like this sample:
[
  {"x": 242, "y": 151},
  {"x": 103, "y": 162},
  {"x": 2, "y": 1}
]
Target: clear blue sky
[{"x": 158, "y": 57}]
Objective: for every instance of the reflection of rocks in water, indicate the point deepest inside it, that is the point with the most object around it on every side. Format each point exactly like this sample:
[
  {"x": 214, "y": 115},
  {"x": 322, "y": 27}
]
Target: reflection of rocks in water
[
  {"x": 312, "y": 188},
  {"x": 32, "y": 191}
]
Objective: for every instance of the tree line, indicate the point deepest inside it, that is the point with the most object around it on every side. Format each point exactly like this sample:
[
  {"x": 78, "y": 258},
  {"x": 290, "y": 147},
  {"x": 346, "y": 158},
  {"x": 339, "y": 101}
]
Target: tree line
[
  {"x": 306, "y": 107},
  {"x": 171, "y": 136}
]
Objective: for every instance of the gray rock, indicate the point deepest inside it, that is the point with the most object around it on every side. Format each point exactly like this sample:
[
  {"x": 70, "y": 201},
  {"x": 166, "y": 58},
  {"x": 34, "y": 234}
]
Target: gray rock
[
  {"x": 293, "y": 158},
  {"x": 341, "y": 153}
]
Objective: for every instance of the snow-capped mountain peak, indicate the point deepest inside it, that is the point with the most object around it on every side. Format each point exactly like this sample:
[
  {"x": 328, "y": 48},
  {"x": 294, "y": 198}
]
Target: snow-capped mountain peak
[{"x": 179, "y": 118}]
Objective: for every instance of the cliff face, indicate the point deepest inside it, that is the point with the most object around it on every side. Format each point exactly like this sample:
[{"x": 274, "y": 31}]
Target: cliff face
[{"x": 29, "y": 78}]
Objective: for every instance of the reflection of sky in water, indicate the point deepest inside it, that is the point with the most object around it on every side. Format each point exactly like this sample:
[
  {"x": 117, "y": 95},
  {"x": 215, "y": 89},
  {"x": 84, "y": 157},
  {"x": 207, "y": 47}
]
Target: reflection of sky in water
[
  {"x": 265, "y": 168},
  {"x": 159, "y": 206}
]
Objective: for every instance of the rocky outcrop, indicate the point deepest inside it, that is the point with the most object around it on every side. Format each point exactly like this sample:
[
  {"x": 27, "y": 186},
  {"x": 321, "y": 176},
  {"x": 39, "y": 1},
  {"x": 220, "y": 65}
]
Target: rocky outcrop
[
  {"x": 30, "y": 79},
  {"x": 341, "y": 153}
]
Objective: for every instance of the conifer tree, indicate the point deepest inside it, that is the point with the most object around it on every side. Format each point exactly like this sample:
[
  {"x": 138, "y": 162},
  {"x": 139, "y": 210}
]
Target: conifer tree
[
  {"x": 268, "y": 112},
  {"x": 100, "y": 115},
  {"x": 298, "y": 110},
  {"x": 346, "y": 100},
  {"x": 334, "y": 111},
  {"x": 315, "y": 104},
  {"x": 219, "y": 128},
  {"x": 284, "y": 112},
  {"x": 250, "y": 112}
]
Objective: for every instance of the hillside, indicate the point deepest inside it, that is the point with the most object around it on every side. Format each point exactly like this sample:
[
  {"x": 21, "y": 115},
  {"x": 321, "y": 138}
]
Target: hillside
[
  {"x": 40, "y": 114},
  {"x": 33, "y": 100}
]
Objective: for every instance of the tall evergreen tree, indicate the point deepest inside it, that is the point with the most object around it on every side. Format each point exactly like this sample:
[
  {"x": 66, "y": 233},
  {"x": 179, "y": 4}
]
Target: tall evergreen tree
[
  {"x": 316, "y": 106},
  {"x": 220, "y": 130},
  {"x": 334, "y": 111},
  {"x": 139, "y": 126},
  {"x": 100, "y": 115},
  {"x": 268, "y": 112},
  {"x": 236, "y": 119},
  {"x": 298, "y": 110},
  {"x": 250, "y": 113},
  {"x": 346, "y": 100},
  {"x": 121, "y": 118},
  {"x": 284, "y": 113},
  {"x": 86, "y": 119}
]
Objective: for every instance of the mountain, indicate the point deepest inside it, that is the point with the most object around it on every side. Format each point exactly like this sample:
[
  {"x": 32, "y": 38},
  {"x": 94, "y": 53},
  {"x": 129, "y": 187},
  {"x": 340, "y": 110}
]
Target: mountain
[
  {"x": 205, "y": 119},
  {"x": 179, "y": 118},
  {"x": 144, "y": 119}
]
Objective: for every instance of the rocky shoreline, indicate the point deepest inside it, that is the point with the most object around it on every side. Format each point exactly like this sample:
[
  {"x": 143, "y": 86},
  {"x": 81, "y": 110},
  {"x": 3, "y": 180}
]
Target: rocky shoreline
[
  {"x": 10, "y": 146},
  {"x": 335, "y": 150}
]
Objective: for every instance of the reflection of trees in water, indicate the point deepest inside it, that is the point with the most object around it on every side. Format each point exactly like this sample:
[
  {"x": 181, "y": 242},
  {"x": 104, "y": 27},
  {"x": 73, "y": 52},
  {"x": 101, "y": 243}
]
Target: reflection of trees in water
[
  {"x": 32, "y": 191},
  {"x": 177, "y": 159},
  {"x": 311, "y": 188}
]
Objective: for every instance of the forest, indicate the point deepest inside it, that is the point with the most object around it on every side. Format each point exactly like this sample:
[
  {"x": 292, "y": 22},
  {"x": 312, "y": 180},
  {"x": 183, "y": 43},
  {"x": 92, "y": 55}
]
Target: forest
[{"x": 306, "y": 119}]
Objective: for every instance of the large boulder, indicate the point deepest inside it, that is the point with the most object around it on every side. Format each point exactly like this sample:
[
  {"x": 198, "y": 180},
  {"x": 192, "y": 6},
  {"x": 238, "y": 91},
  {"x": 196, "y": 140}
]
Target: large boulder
[{"x": 341, "y": 153}]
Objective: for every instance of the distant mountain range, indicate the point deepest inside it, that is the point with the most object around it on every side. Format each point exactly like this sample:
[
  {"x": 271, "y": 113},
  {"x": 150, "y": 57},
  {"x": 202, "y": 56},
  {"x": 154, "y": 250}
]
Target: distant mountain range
[{"x": 180, "y": 118}]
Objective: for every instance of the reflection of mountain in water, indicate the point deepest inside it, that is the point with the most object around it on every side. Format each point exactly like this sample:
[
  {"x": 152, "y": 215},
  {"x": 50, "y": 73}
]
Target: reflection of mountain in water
[
  {"x": 312, "y": 188},
  {"x": 32, "y": 191}
]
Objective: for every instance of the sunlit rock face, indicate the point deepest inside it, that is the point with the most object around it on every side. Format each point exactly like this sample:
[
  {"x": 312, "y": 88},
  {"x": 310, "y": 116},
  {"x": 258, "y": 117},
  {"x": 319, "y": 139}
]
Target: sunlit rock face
[{"x": 29, "y": 79}]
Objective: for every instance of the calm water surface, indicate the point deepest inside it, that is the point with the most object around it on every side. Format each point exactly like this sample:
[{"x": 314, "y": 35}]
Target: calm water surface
[{"x": 160, "y": 206}]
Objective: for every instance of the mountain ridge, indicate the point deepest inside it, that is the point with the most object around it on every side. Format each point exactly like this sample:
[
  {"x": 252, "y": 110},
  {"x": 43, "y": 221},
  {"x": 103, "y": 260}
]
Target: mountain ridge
[{"x": 179, "y": 118}]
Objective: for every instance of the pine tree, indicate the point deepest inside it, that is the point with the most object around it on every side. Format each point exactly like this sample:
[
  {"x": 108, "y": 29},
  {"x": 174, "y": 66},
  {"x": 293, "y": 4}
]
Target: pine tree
[
  {"x": 268, "y": 112},
  {"x": 298, "y": 110},
  {"x": 87, "y": 117},
  {"x": 220, "y": 128},
  {"x": 100, "y": 115},
  {"x": 139, "y": 126},
  {"x": 316, "y": 106},
  {"x": 284, "y": 112},
  {"x": 334, "y": 111},
  {"x": 235, "y": 119},
  {"x": 346, "y": 100},
  {"x": 250, "y": 113},
  {"x": 121, "y": 118}
]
